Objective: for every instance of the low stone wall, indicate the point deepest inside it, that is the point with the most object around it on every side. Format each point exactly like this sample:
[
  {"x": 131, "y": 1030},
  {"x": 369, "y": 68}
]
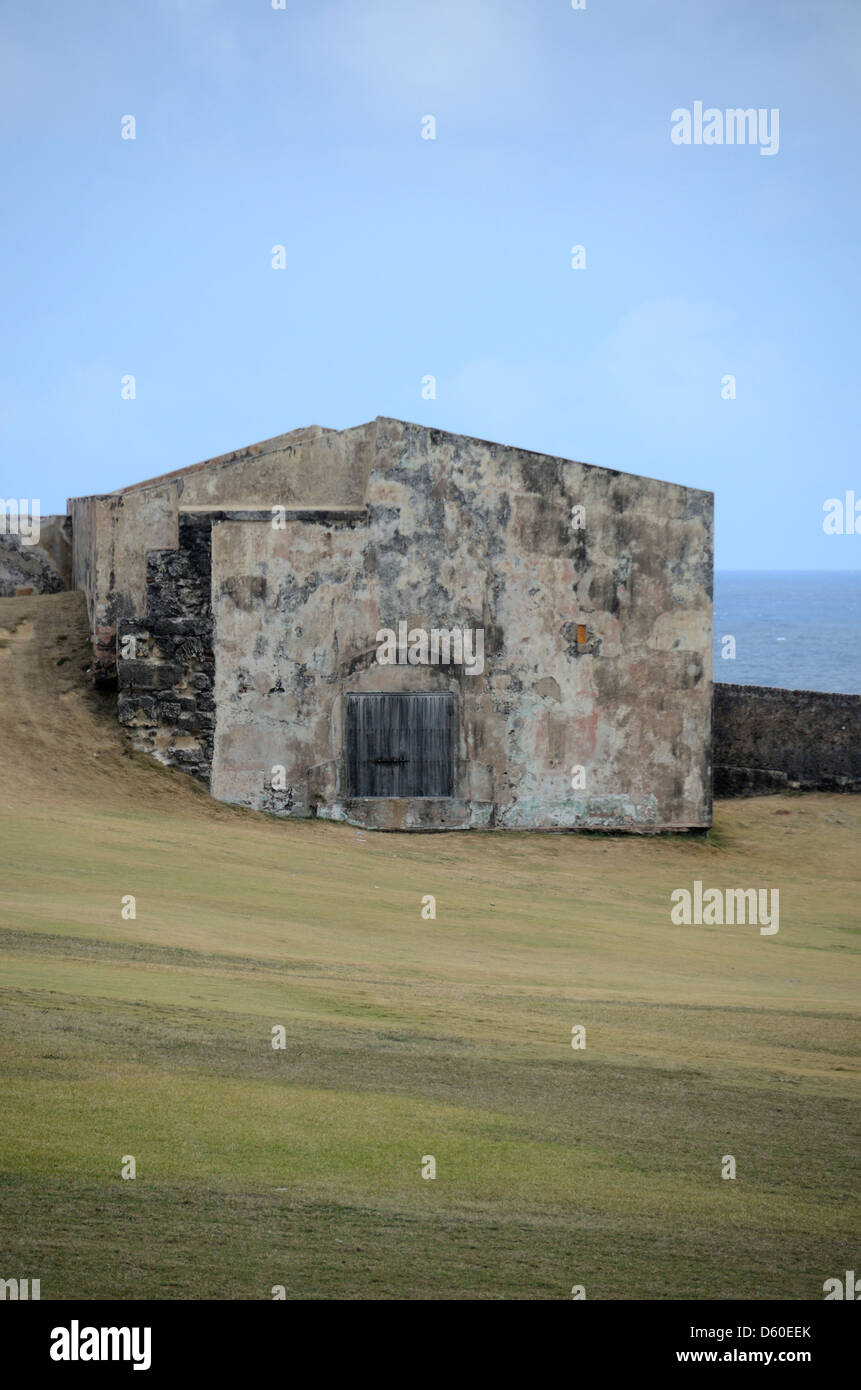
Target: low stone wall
[
  {"x": 769, "y": 740},
  {"x": 39, "y": 569}
]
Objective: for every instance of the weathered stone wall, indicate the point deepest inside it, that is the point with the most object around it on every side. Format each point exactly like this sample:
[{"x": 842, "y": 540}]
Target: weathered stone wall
[
  {"x": 221, "y": 463},
  {"x": 597, "y": 641},
  {"x": 326, "y": 468},
  {"x": 83, "y": 513},
  {"x": 166, "y": 678},
  {"x": 111, "y": 537},
  {"x": 461, "y": 533},
  {"x": 44, "y": 568},
  {"x": 113, "y": 533},
  {"x": 766, "y": 740}
]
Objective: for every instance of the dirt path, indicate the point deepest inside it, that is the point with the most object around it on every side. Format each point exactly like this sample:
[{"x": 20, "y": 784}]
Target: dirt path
[{"x": 59, "y": 738}]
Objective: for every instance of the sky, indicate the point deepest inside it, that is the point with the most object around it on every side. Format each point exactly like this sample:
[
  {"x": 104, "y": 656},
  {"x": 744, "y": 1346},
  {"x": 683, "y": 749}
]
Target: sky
[{"x": 406, "y": 257}]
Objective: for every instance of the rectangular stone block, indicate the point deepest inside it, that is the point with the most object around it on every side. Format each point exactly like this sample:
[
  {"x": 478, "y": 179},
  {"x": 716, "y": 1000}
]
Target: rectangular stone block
[{"x": 148, "y": 675}]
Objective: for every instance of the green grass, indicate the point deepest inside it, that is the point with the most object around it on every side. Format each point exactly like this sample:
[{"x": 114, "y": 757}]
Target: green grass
[{"x": 404, "y": 1037}]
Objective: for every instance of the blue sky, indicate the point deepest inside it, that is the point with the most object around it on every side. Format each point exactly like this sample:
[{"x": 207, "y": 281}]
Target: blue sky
[{"x": 451, "y": 257}]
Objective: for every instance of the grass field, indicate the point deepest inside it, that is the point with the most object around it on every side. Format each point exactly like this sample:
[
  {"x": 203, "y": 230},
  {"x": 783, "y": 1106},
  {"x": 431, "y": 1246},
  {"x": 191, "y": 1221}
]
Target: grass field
[{"x": 302, "y": 1167}]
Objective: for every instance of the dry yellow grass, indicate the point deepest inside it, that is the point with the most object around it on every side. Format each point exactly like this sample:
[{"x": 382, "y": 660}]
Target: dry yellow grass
[{"x": 404, "y": 1037}]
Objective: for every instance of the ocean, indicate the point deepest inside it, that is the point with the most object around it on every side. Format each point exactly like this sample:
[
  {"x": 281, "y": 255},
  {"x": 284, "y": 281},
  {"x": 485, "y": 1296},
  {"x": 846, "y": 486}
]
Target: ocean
[{"x": 797, "y": 629}]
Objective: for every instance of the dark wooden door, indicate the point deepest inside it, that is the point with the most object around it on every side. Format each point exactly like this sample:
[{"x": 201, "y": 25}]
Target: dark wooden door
[{"x": 400, "y": 745}]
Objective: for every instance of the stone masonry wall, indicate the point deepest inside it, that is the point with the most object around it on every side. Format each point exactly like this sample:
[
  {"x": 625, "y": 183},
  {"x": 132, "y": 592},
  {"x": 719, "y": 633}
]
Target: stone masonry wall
[
  {"x": 166, "y": 680},
  {"x": 766, "y": 740},
  {"x": 461, "y": 533},
  {"x": 113, "y": 533},
  {"x": 597, "y": 638}
]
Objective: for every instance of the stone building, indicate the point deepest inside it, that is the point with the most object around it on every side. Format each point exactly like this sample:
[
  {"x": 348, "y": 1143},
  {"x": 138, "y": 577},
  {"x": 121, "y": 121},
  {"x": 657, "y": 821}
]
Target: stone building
[{"x": 405, "y": 628}]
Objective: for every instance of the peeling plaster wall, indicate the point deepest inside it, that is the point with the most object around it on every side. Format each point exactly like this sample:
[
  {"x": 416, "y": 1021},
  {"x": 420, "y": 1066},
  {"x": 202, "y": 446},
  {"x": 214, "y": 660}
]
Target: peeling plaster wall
[
  {"x": 83, "y": 513},
  {"x": 247, "y": 453},
  {"x": 111, "y": 535},
  {"x": 597, "y": 641},
  {"x": 462, "y": 533},
  {"x": 326, "y": 468}
]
